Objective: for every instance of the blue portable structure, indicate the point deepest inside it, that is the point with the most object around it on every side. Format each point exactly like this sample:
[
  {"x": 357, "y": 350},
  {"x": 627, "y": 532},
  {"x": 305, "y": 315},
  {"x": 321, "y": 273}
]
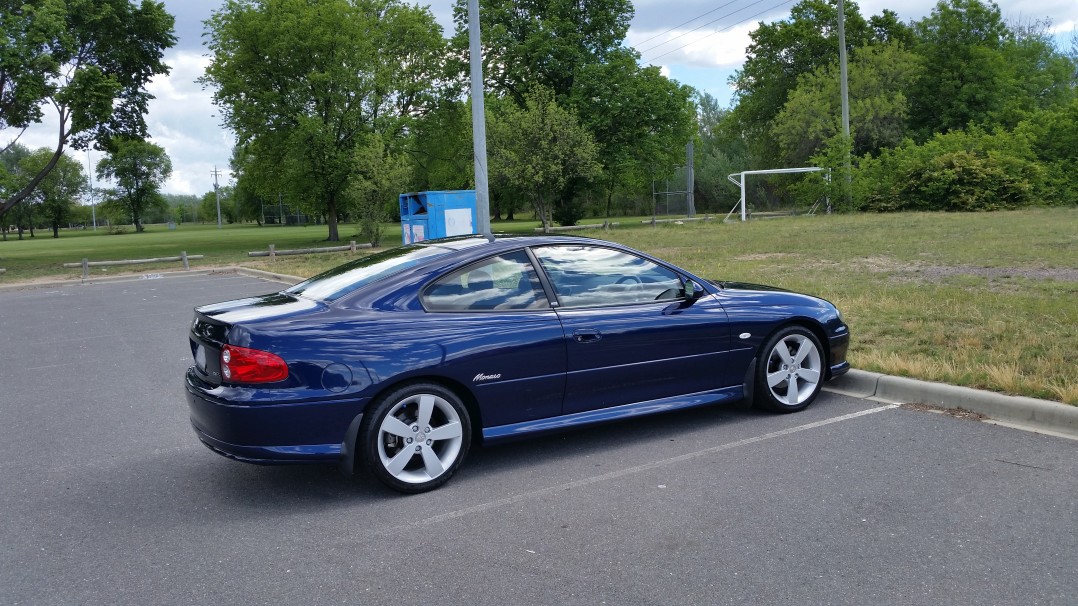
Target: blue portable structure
[{"x": 427, "y": 215}]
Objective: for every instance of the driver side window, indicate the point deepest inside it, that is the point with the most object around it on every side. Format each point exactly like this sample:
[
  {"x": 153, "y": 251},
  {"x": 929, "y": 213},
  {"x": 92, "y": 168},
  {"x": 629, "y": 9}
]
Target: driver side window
[{"x": 585, "y": 276}]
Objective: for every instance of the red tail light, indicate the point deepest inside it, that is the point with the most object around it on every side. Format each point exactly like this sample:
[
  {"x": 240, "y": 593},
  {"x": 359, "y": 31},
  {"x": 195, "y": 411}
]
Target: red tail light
[{"x": 243, "y": 365}]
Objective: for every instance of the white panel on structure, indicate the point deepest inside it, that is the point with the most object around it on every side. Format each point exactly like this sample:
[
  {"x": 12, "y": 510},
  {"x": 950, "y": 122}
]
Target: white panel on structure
[
  {"x": 418, "y": 234},
  {"x": 458, "y": 222}
]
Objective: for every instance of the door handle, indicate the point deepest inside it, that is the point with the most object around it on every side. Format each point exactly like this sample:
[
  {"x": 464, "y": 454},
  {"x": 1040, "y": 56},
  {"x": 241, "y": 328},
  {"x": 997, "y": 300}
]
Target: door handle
[{"x": 587, "y": 335}]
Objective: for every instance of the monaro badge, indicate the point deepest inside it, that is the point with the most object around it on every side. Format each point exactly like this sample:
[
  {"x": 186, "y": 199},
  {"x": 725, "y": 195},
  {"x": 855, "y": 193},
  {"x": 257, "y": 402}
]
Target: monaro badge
[{"x": 482, "y": 377}]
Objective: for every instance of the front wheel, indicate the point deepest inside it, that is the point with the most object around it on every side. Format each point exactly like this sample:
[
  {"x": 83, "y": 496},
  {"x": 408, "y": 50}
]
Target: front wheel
[
  {"x": 790, "y": 371},
  {"x": 415, "y": 437}
]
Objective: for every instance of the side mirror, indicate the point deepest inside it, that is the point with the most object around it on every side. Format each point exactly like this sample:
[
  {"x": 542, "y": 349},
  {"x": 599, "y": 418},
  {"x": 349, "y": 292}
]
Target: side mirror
[{"x": 693, "y": 291}]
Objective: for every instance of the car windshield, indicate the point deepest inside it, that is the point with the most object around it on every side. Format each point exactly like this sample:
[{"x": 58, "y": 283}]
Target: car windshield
[{"x": 339, "y": 281}]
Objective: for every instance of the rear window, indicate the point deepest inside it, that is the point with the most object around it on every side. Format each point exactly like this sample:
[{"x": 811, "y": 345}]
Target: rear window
[{"x": 342, "y": 280}]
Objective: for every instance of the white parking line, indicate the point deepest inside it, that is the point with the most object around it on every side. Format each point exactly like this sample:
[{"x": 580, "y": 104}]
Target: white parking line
[{"x": 628, "y": 471}]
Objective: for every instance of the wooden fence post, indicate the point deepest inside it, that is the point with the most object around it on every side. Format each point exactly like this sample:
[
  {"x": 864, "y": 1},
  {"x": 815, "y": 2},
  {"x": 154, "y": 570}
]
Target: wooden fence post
[
  {"x": 183, "y": 256},
  {"x": 85, "y": 268},
  {"x": 273, "y": 252}
]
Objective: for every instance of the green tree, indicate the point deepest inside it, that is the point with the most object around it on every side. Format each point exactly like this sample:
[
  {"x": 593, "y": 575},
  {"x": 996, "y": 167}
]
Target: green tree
[
  {"x": 207, "y": 208},
  {"x": 138, "y": 168},
  {"x": 89, "y": 59},
  {"x": 13, "y": 178},
  {"x": 441, "y": 148},
  {"x": 1040, "y": 76},
  {"x": 303, "y": 83},
  {"x": 540, "y": 150},
  {"x": 779, "y": 54},
  {"x": 184, "y": 207},
  {"x": 640, "y": 120},
  {"x": 247, "y": 198},
  {"x": 718, "y": 154},
  {"x": 1054, "y": 137},
  {"x": 544, "y": 42},
  {"x": 57, "y": 194},
  {"x": 575, "y": 50},
  {"x": 960, "y": 44},
  {"x": 381, "y": 175},
  {"x": 879, "y": 75}
]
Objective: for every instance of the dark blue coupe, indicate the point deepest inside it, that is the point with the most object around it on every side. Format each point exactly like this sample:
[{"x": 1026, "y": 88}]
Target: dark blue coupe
[{"x": 398, "y": 361}]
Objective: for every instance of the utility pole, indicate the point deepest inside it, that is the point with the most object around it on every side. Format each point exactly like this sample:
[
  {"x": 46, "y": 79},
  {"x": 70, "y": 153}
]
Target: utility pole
[
  {"x": 844, "y": 85},
  {"x": 217, "y": 194},
  {"x": 479, "y": 122}
]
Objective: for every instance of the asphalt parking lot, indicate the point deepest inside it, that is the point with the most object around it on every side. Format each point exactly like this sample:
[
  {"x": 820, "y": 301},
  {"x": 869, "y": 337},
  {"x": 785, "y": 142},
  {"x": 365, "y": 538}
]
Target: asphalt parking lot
[{"x": 108, "y": 497}]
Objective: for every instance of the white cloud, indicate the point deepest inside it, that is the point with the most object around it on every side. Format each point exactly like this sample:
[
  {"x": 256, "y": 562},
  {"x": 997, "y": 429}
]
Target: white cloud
[
  {"x": 704, "y": 48},
  {"x": 184, "y": 121}
]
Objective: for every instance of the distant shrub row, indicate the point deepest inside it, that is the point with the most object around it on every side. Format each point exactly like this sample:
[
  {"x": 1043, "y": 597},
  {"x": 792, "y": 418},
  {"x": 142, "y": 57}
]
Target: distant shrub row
[{"x": 1035, "y": 164}]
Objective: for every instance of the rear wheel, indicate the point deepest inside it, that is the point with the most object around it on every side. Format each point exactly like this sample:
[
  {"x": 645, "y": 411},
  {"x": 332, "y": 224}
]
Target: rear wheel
[
  {"x": 790, "y": 371},
  {"x": 415, "y": 437}
]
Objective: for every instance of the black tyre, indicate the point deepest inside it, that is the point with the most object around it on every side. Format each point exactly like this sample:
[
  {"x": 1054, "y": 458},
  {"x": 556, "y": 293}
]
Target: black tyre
[
  {"x": 414, "y": 438},
  {"x": 789, "y": 371}
]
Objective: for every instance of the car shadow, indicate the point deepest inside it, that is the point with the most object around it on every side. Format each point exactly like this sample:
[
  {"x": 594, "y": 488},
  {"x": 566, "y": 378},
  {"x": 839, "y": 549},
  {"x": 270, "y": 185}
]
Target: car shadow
[
  {"x": 553, "y": 448},
  {"x": 183, "y": 486}
]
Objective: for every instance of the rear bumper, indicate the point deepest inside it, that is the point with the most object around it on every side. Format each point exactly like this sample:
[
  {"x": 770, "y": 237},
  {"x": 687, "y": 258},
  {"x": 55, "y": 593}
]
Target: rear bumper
[{"x": 271, "y": 434}]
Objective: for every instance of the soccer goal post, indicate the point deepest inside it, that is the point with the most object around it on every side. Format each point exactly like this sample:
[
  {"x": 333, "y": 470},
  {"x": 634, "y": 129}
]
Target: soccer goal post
[{"x": 740, "y": 182}]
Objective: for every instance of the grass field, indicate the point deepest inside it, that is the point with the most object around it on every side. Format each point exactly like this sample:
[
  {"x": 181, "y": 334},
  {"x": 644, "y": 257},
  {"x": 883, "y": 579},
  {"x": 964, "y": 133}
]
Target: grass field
[{"x": 984, "y": 300}]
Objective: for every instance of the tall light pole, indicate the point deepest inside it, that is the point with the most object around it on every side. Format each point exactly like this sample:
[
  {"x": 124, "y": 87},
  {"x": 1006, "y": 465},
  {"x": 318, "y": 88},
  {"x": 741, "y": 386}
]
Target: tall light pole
[
  {"x": 217, "y": 194},
  {"x": 845, "y": 91},
  {"x": 479, "y": 122}
]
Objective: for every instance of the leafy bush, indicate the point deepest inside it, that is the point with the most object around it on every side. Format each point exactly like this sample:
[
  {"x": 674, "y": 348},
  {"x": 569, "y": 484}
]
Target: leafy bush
[
  {"x": 959, "y": 171},
  {"x": 1054, "y": 137},
  {"x": 568, "y": 212}
]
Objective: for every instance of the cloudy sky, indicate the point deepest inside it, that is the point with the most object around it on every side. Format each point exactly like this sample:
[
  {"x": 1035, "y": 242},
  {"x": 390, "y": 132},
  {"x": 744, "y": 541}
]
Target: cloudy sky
[{"x": 697, "y": 42}]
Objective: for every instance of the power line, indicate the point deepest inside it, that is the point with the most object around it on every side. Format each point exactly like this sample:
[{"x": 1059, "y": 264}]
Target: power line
[
  {"x": 720, "y": 30},
  {"x": 686, "y": 23},
  {"x": 720, "y": 18}
]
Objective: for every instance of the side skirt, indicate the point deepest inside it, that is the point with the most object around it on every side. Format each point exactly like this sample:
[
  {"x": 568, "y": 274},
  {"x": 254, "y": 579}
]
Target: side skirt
[{"x": 615, "y": 413}]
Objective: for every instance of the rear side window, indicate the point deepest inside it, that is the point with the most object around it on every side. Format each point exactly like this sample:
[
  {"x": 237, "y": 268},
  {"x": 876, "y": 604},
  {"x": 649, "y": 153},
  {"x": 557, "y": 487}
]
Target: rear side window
[
  {"x": 340, "y": 281},
  {"x": 502, "y": 283}
]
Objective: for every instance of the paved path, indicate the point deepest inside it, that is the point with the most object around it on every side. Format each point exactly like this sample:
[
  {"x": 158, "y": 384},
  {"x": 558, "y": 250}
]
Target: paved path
[{"x": 108, "y": 498}]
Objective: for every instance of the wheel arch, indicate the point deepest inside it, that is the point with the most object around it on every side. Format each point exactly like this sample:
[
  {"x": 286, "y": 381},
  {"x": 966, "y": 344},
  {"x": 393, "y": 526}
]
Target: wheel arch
[
  {"x": 351, "y": 452},
  {"x": 812, "y": 326}
]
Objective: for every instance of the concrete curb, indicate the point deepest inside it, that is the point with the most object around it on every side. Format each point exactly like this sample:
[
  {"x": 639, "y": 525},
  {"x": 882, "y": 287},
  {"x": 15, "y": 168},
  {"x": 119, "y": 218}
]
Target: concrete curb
[
  {"x": 1043, "y": 416},
  {"x": 267, "y": 275},
  {"x": 228, "y": 269},
  {"x": 106, "y": 279}
]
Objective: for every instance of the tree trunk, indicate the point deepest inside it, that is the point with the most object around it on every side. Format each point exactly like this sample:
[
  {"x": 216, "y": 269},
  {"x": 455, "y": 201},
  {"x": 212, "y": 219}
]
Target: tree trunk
[
  {"x": 540, "y": 209},
  {"x": 331, "y": 219},
  {"x": 56, "y": 230},
  {"x": 609, "y": 197}
]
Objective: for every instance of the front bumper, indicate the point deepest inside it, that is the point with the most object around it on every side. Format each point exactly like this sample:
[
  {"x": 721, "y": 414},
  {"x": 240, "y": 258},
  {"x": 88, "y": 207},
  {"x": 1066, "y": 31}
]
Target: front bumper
[
  {"x": 294, "y": 432},
  {"x": 838, "y": 344}
]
